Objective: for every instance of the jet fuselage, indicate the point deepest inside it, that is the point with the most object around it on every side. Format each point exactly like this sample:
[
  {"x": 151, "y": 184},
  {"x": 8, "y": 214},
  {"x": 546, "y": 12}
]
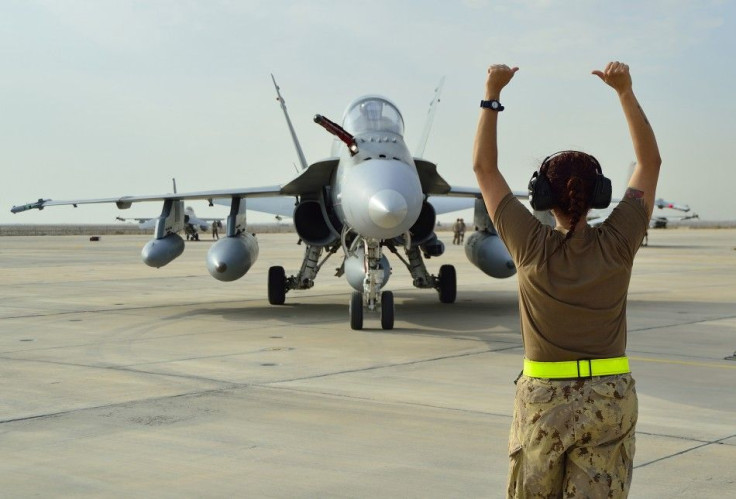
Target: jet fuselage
[{"x": 377, "y": 191}]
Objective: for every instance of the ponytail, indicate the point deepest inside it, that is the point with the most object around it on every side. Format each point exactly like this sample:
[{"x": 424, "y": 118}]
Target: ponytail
[{"x": 578, "y": 203}]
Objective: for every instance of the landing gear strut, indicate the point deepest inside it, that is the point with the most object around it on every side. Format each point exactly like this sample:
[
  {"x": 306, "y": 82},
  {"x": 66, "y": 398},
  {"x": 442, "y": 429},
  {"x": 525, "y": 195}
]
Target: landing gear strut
[{"x": 372, "y": 296}]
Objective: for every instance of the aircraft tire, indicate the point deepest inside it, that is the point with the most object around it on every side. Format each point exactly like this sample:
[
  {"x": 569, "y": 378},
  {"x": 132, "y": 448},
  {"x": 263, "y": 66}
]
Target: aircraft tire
[
  {"x": 387, "y": 310},
  {"x": 447, "y": 284},
  {"x": 356, "y": 311},
  {"x": 276, "y": 285}
]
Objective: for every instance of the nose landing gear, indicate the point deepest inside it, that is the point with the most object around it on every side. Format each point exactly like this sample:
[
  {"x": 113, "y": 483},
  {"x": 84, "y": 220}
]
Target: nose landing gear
[{"x": 372, "y": 297}]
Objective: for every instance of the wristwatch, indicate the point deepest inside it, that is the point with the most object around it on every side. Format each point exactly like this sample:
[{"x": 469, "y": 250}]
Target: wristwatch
[{"x": 493, "y": 105}]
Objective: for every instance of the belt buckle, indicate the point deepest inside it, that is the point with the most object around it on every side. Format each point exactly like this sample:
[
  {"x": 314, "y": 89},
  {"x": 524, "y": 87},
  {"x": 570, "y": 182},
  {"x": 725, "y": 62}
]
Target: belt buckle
[{"x": 590, "y": 367}]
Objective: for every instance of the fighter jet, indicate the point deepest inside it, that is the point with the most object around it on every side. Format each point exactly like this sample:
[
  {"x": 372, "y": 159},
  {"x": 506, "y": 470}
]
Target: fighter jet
[
  {"x": 597, "y": 217},
  {"x": 192, "y": 223},
  {"x": 370, "y": 197}
]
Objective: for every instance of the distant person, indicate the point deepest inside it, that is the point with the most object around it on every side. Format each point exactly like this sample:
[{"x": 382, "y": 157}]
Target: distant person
[
  {"x": 462, "y": 231},
  {"x": 456, "y": 232},
  {"x": 576, "y": 408},
  {"x": 215, "y": 227}
]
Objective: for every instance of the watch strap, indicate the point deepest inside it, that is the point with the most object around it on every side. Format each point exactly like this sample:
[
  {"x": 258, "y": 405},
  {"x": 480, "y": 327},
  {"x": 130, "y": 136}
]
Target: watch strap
[{"x": 493, "y": 105}]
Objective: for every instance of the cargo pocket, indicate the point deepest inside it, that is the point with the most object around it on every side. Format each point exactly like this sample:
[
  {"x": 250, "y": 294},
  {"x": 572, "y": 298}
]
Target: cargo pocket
[
  {"x": 617, "y": 386},
  {"x": 614, "y": 408},
  {"x": 628, "y": 449},
  {"x": 516, "y": 463},
  {"x": 516, "y": 455}
]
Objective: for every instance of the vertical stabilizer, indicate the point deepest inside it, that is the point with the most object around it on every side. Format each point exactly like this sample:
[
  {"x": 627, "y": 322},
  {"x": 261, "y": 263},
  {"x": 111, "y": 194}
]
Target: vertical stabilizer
[
  {"x": 419, "y": 153},
  {"x": 281, "y": 100}
]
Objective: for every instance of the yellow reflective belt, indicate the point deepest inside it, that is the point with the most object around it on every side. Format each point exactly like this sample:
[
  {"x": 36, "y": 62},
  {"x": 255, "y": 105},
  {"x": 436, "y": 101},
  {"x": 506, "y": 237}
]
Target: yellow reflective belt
[{"x": 584, "y": 368}]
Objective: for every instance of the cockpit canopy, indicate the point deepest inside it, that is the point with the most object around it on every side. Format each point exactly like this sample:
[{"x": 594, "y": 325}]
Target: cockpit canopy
[{"x": 373, "y": 114}]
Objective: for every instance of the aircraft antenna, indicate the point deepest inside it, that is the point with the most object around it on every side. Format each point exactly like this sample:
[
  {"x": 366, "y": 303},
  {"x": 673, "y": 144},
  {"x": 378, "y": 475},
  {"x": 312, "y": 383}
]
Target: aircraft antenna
[
  {"x": 430, "y": 119},
  {"x": 281, "y": 100}
]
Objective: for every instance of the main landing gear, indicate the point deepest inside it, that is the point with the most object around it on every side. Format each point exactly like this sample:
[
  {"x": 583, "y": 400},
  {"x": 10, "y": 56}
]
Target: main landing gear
[
  {"x": 447, "y": 284},
  {"x": 276, "y": 285},
  {"x": 372, "y": 296}
]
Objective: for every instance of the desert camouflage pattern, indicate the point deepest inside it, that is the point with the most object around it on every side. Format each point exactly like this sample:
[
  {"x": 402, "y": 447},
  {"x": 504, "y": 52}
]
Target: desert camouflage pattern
[{"x": 573, "y": 438}]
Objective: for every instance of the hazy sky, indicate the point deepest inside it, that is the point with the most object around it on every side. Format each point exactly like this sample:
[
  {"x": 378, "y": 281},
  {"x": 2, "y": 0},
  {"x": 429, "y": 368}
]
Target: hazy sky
[{"x": 107, "y": 98}]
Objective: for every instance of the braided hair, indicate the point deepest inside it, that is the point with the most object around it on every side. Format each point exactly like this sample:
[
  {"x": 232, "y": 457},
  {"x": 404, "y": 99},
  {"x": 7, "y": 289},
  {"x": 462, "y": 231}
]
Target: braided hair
[{"x": 572, "y": 177}]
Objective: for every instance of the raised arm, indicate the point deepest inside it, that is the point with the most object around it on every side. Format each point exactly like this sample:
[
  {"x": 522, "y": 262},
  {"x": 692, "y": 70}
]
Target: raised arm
[
  {"x": 485, "y": 150},
  {"x": 643, "y": 182}
]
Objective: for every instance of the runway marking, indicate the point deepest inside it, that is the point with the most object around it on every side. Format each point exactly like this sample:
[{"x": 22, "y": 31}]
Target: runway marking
[
  {"x": 720, "y": 441},
  {"x": 681, "y": 362}
]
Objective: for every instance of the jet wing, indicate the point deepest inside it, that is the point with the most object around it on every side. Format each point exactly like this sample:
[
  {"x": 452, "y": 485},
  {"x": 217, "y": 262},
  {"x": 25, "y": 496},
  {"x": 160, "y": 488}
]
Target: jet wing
[
  {"x": 125, "y": 202},
  {"x": 277, "y": 205},
  {"x": 461, "y": 198}
]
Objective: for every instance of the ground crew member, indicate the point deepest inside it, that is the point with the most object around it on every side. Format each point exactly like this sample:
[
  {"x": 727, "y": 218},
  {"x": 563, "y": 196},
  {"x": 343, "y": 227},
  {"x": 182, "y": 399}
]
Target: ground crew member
[
  {"x": 215, "y": 226},
  {"x": 575, "y": 409},
  {"x": 462, "y": 231},
  {"x": 456, "y": 232}
]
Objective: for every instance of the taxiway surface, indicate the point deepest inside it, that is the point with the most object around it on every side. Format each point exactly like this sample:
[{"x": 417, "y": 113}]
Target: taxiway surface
[{"x": 118, "y": 380}]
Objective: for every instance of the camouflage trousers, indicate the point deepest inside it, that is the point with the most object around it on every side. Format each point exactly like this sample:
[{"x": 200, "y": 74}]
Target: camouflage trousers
[{"x": 572, "y": 438}]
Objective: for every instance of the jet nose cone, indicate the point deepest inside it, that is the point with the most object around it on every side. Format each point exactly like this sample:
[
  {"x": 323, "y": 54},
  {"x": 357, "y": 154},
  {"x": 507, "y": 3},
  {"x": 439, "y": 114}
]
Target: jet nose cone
[{"x": 387, "y": 208}]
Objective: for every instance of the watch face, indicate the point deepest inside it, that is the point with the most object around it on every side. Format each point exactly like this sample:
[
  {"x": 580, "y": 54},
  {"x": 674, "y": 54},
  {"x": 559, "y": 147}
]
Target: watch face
[{"x": 494, "y": 104}]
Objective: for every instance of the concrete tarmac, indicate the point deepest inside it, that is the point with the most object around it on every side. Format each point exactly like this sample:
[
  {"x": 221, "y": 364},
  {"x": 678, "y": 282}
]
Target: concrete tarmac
[{"x": 118, "y": 380}]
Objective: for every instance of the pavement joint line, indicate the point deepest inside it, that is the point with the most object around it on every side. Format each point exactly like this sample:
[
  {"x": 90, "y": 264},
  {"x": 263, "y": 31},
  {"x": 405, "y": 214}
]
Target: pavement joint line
[
  {"x": 399, "y": 364},
  {"x": 383, "y": 401},
  {"x": 229, "y": 386},
  {"x": 174, "y": 305},
  {"x": 184, "y": 335},
  {"x": 677, "y": 324},
  {"x": 685, "y": 451},
  {"x": 125, "y": 340},
  {"x": 128, "y": 367},
  {"x": 680, "y": 437},
  {"x": 683, "y": 362},
  {"x": 116, "y": 404}
]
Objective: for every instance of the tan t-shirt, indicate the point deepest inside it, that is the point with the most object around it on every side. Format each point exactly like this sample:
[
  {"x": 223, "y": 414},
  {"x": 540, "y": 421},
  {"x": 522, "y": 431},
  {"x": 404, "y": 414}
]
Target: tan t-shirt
[{"x": 572, "y": 300}]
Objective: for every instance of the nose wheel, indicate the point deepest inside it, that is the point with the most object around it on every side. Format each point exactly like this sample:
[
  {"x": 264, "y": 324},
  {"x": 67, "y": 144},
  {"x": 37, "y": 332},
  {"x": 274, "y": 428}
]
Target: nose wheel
[{"x": 386, "y": 311}]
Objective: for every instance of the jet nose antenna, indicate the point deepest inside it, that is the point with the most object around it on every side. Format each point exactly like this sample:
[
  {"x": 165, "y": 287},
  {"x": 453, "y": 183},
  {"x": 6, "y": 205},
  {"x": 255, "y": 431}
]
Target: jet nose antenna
[{"x": 387, "y": 208}]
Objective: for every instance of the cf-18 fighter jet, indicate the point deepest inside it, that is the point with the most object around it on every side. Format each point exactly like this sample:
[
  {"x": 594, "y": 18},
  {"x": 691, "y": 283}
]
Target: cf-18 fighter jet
[
  {"x": 372, "y": 196},
  {"x": 192, "y": 223}
]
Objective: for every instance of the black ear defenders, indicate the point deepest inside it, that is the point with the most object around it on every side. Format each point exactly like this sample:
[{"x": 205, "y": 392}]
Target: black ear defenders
[{"x": 540, "y": 190}]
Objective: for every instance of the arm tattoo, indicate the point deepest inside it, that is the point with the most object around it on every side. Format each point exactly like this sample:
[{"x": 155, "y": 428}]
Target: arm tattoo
[{"x": 636, "y": 195}]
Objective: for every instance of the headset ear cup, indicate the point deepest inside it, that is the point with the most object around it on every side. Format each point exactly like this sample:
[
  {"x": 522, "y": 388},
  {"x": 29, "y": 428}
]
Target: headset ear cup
[
  {"x": 602, "y": 192},
  {"x": 540, "y": 192}
]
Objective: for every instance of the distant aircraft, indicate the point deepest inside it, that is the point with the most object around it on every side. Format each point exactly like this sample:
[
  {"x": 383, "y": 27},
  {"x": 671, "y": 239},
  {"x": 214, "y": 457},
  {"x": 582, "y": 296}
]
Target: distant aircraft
[
  {"x": 192, "y": 223},
  {"x": 597, "y": 217},
  {"x": 370, "y": 196}
]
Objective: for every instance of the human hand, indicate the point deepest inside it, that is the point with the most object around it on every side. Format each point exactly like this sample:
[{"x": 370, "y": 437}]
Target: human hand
[
  {"x": 616, "y": 75},
  {"x": 498, "y": 77}
]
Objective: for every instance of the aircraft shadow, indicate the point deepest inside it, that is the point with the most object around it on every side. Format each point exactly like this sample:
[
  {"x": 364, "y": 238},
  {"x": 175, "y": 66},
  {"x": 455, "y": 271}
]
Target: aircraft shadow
[{"x": 486, "y": 316}]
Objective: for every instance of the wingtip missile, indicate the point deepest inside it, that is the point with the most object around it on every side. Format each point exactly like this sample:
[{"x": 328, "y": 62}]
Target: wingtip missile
[
  {"x": 38, "y": 205},
  {"x": 661, "y": 203}
]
